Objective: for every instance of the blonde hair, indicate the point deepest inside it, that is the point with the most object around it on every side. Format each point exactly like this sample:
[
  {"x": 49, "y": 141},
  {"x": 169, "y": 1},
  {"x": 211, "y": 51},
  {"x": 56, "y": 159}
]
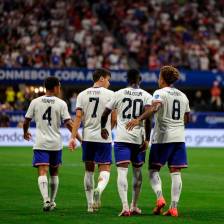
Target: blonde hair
[{"x": 170, "y": 74}]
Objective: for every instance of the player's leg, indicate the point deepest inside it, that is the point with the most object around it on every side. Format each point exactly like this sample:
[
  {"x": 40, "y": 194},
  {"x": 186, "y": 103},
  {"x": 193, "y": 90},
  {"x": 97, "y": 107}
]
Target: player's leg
[
  {"x": 103, "y": 157},
  {"x": 157, "y": 158},
  {"x": 55, "y": 162},
  {"x": 103, "y": 179},
  {"x": 88, "y": 157},
  {"x": 137, "y": 159},
  {"x": 177, "y": 161},
  {"x": 122, "y": 159},
  {"x": 41, "y": 161},
  {"x": 54, "y": 183}
]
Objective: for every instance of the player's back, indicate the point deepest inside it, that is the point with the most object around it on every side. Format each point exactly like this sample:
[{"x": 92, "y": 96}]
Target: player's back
[
  {"x": 92, "y": 101},
  {"x": 48, "y": 113},
  {"x": 169, "y": 120},
  {"x": 130, "y": 103}
]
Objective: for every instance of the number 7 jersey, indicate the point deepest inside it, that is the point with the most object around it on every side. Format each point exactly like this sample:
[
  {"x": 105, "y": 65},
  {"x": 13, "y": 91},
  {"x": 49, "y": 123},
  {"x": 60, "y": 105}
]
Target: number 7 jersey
[
  {"x": 48, "y": 112},
  {"x": 92, "y": 102},
  {"x": 169, "y": 119}
]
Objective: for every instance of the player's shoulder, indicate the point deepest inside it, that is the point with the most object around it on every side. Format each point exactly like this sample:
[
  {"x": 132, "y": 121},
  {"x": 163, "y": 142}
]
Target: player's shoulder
[
  {"x": 59, "y": 100},
  {"x": 107, "y": 91},
  {"x": 37, "y": 100},
  {"x": 145, "y": 93}
]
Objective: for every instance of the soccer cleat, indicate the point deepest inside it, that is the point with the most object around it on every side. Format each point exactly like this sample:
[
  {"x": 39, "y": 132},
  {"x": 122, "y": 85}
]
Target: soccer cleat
[
  {"x": 171, "y": 212},
  {"x": 96, "y": 199},
  {"x": 46, "y": 206},
  {"x": 90, "y": 209},
  {"x": 52, "y": 206},
  {"x": 135, "y": 210},
  {"x": 125, "y": 213},
  {"x": 160, "y": 203}
]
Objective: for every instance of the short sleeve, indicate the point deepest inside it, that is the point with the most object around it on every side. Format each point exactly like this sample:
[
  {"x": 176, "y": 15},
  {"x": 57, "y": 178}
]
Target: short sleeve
[
  {"x": 30, "y": 111},
  {"x": 187, "y": 107},
  {"x": 148, "y": 100},
  {"x": 79, "y": 103},
  {"x": 65, "y": 114},
  {"x": 157, "y": 97},
  {"x": 112, "y": 104}
]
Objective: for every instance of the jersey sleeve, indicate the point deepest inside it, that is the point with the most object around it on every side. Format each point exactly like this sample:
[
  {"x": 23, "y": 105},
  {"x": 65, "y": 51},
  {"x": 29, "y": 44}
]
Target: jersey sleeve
[
  {"x": 112, "y": 104},
  {"x": 79, "y": 102},
  {"x": 148, "y": 100},
  {"x": 187, "y": 107},
  {"x": 30, "y": 111},
  {"x": 157, "y": 97},
  {"x": 65, "y": 114}
]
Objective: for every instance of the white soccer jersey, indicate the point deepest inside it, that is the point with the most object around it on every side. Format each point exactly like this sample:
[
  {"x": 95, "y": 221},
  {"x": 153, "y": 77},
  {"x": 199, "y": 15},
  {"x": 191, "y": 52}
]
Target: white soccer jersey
[
  {"x": 169, "y": 119},
  {"x": 92, "y": 102},
  {"x": 129, "y": 103},
  {"x": 48, "y": 113}
]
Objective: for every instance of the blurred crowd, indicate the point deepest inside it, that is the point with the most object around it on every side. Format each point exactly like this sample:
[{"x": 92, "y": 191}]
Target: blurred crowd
[
  {"x": 57, "y": 34},
  {"x": 112, "y": 34},
  {"x": 187, "y": 34}
]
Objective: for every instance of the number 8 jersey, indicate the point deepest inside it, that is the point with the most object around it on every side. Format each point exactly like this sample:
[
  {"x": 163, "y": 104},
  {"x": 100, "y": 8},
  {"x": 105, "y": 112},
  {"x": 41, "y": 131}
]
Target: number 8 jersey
[
  {"x": 92, "y": 102},
  {"x": 48, "y": 113},
  {"x": 129, "y": 103},
  {"x": 169, "y": 119}
]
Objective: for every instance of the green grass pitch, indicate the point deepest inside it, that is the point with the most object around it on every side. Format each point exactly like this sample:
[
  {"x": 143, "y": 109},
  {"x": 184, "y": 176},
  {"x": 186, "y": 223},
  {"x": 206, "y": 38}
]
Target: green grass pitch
[{"x": 20, "y": 202}]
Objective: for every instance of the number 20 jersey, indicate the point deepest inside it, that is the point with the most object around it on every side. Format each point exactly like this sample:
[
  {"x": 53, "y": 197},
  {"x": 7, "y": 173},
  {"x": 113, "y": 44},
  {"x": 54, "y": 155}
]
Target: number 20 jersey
[
  {"x": 92, "y": 102},
  {"x": 48, "y": 113},
  {"x": 129, "y": 104},
  {"x": 169, "y": 119}
]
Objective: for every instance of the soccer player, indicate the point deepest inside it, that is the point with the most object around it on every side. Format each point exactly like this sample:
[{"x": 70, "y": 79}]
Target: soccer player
[
  {"x": 48, "y": 111},
  {"x": 171, "y": 108},
  {"x": 129, "y": 146},
  {"x": 95, "y": 150}
]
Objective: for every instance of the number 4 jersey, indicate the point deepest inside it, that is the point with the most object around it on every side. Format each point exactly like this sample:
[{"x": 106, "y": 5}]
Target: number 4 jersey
[
  {"x": 169, "y": 119},
  {"x": 48, "y": 113},
  {"x": 92, "y": 102},
  {"x": 129, "y": 103}
]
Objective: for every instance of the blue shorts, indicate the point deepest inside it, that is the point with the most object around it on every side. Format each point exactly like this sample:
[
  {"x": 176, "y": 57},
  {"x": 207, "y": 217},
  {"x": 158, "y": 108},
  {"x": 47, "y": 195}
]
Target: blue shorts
[
  {"x": 49, "y": 158},
  {"x": 128, "y": 152},
  {"x": 97, "y": 152},
  {"x": 172, "y": 153}
]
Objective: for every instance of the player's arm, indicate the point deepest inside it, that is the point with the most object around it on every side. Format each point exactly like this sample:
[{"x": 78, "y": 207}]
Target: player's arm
[
  {"x": 187, "y": 118},
  {"x": 75, "y": 127},
  {"x": 26, "y": 124},
  {"x": 104, "y": 118},
  {"x": 69, "y": 125},
  {"x": 147, "y": 127},
  {"x": 113, "y": 119},
  {"x": 146, "y": 115}
]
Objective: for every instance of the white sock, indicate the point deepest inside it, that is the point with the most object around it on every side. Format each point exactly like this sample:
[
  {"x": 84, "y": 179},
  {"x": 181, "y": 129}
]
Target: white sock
[
  {"x": 122, "y": 184},
  {"x": 103, "y": 180},
  {"x": 43, "y": 186},
  {"x": 156, "y": 183},
  {"x": 137, "y": 183},
  {"x": 54, "y": 182},
  {"x": 89, "y": 186},
  {"x": 175, "y": 188}
]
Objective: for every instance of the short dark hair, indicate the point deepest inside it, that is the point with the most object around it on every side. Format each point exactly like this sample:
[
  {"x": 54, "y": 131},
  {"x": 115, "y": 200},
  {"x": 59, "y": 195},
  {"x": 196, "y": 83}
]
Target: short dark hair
[
  {"x": 170, "y": 74},
  {"x": 133, "y": 76},
  {"x": 100, "y": 72},
  {"x": 51, "y": 82}
]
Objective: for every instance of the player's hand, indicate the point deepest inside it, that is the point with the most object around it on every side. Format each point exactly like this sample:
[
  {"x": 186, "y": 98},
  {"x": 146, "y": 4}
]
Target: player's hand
[
  {"x": 104, "y": 133},
  {"x": 144, "y": 146},
  {"x": 27, "y": 136},
  {"x": 72, "y": 144},
  {"x": 131, "y": 124}
]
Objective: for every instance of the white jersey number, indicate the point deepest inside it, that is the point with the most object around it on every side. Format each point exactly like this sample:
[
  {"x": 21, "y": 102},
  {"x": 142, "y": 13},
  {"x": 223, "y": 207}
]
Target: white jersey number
[
  {"x": 176, "y": 110},
  {"x": 136, "y": 105},
  {"x": 47, "y": 115},
  {"x": 96, "y": 100}
]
